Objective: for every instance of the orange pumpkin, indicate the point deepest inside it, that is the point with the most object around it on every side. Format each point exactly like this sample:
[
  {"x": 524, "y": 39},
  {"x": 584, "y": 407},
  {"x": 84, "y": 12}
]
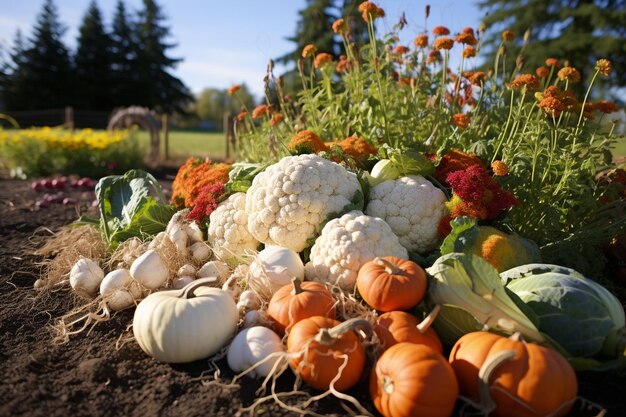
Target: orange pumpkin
[
  {"x": 398, "y": 326},
  {"x": 512, "y": 378},
  {"x": 413, "y": 380},
  {"x": 324, "y": 350},
  {"x": 391, "y": 283},
  {"x": 297, "y": 301}
]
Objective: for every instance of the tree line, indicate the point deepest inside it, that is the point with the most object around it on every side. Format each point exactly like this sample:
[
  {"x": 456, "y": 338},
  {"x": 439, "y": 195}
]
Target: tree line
[{"x": 126, "y": 63}]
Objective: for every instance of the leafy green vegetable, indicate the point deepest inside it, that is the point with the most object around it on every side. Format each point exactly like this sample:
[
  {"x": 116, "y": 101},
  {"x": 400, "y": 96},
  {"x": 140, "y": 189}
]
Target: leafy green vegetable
[
  {"x": 578, "y": 313},
  {"x": 241, "y": 175},
  {"x": 465, "y": 283},
  {"x": 400, "y": 163},
  {"x": 127, "y": 209}
]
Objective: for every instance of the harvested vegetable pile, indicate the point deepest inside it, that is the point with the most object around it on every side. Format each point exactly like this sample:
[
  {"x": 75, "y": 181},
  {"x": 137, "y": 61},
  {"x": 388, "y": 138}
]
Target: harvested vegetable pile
[{"x": 425, "y": 271}]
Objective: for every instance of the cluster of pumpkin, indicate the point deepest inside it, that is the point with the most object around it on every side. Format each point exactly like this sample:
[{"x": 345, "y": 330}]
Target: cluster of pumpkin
[{"x": 506, "y": 377}]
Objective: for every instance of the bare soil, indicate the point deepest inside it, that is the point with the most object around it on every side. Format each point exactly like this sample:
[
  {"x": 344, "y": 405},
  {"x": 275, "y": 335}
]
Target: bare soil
[{"x": 99, "y": 374}]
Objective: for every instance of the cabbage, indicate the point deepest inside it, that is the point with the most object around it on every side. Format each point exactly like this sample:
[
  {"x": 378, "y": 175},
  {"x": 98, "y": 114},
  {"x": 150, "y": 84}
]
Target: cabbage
[
  {"x": 474, "y": 298},
  {"x": 582, "y": 316}
]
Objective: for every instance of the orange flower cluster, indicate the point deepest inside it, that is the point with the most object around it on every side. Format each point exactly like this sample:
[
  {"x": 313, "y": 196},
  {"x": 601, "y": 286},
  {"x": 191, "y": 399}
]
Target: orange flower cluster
[
  {"x": 309, "y": 50},
  {"x": 552, "y": 62},
  {"x": 554, "y": 101},
  {"x": 475, "y": 77},
  {"x": 552, "y": 106},
  {"x": 525, "y": 80},
  {"x": 401, "y": 49},
  {"x": 469, "y": 52},
  {"x": 499, "y": 168},
  {"x": 454, "y": 160},
  {"x": 421, "y": 41},
  {"x": 340, "y": 26},
  {"x": 323, "y": 59},
  {"x": 241, "y": 116},
  {"x": 441, "y": 31},
  {"x": 606, "y": 107},
  {"x": 570, "y": 74},
  {"x": 508, "y": 35},
  {"x": 461, "y": 120},
  {"x": 276, "y": 119},
  {"x": 466, "y": 38},
  {"x": 261, "y": 110},
  {"x": 542, "y": 71},
  {"x": 192, "y": 176},
  {"x": 344, "y": 64},
  {"x": 433, "y": 56},
  {"x": 232, "y": 90},
  {"x": 604, "y": 67},
  {"x": 356, "y": 147},
  {"x": 443, "y": 43},
  {"x": 304, "y": 142},
  {"x": 369, "y": 10}
]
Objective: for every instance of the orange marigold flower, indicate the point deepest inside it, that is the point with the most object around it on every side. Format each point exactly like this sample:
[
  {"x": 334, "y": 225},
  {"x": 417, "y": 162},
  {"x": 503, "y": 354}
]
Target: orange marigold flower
[
  {"x": 604, "y": 67},
  {"x": 340, "y": 26},
  {"x": 466, "y": 39},
  {"x": 343, "y": 64},
  {"x": 606, "y": 106},
  {"x": 401, "y": 49},
  {"x": 322, "y": 60},
  {"x": 421, "y": 41},
  {"x": 570, "y": 74},
  {"x": 433, "y": 56},
  {"x": 461, "y": 120},
  {"x": 552, "y": 106},
  {"x": 443, "y": 43},
  {"x": 542, "y": 71},
  {"x": 441, "y": 31},
  {"x": 552, "y": 62},
  {"x": 370, "y": 10},
  {"x": 276, "y": 119},
  {"x": 356, "y": 147},
  {"x": 508, "y": 35},
  {"x": 469, "y": 52},
  {"x": 260, "y": 111},
  {"x": 525, "y": 80},
  {"x": 306, "y": 141},
  {"x": 454, "y": 160},
  {"x": 192, "y": 176},
  {"x": 476, "y": 77},
  {"x": 588, "y": 109},
  {"x": 309, "y": 50},
  {"x": 499, "y": 168},
  {"x": 468, "y": 30},
  {"x": 232, "y": 90},
  {"x": 242, "y": 116}
]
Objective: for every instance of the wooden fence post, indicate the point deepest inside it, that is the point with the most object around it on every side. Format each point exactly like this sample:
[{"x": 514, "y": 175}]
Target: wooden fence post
[
  {"x": 229, "y": 132},
  {"x": 69, "y": 117},
  {"x": 165, "y": 127}
]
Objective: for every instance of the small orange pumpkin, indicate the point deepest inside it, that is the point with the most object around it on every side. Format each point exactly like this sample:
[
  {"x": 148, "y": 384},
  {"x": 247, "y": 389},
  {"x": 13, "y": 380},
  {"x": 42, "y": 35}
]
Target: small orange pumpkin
[
  {"x": 512, "y": 378},
  {"x": 297, "y": 301},
  {"x": 413, "y": 380},
  {"x": 324, "y": 350},
  {"x": 391, "y": 283},
  {"x": 394, "y": 327}
]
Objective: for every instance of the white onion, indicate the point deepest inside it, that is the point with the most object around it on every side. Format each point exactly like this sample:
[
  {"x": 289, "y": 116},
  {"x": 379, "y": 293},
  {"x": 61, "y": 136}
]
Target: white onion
[
  {"x": 149, "y": 270},
  {"x": 200, "y": 251},
  {"x": 217, "y": 269},
  {"x": 187, "y": 269},
  {"x": 248, "y": 300},
  {"x": 85, "y": 277},
  {"x": 194, "y": 232},
  {"x": 119, "y": 290},
  {"x": 180, "y": 282}
]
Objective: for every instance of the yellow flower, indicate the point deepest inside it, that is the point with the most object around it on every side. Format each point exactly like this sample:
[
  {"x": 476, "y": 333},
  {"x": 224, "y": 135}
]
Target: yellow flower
[
  {"x": 604, "y": 67},
  {"x": 570, "y": 74},
  {"x": 308, "y": 51},
  {"x": 508, "y": 35}
]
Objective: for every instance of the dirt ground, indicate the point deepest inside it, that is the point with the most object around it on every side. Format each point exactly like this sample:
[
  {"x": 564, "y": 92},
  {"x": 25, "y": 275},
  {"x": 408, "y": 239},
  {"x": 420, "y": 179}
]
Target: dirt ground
[{"x": 94, "y": 375}]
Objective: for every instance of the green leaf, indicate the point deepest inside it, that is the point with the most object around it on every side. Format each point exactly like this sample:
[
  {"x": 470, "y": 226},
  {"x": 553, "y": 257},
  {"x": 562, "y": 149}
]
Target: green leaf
[
  {"x": 462, "y": 228},
  {"x": 149, "y": 220},
  {"x": 411, "y": 162}
]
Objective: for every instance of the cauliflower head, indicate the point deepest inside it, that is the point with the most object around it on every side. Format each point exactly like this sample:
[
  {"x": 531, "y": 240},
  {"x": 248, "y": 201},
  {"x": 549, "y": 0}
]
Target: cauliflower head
[
  {"x": 346, "y": 243},
  {"x": 228, "y": 232},
  {"x": 413, "y": 208},
  {"x": 288, "y": 201}
]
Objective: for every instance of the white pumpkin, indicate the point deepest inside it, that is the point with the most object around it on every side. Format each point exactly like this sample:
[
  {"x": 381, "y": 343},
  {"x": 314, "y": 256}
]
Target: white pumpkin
[
  {"x": 186, "y": 325},
  {"x": 253, "y": 345}
]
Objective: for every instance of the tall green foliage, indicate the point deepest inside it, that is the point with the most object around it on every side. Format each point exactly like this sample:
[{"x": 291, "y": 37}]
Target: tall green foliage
[
  {"x": 93, "y": 63},
  {"x": 124, "y": 50},
  {"x": 42, "y": 68},
  {"x": 579, "y": 31},
  {"x": 157, "y": 88}
]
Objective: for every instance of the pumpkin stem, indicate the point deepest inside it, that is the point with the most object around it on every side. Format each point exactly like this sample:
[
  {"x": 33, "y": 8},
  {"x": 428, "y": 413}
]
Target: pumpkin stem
[
  {"x": 429, "y": 319},
  {"x": 297, "y": 286},
  {"x": 187, "y": 291},
  {"x": 389, "y": 267},
  {"x": 329, "y": 336},
  {"x": 484, "y": 374},
  {"x": 517, "y": 336}
]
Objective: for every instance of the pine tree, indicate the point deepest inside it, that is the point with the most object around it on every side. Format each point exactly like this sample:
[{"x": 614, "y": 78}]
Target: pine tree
[
  {"x": 158, "y": 88},
  {"x": 42, "y": 73},
  {"x": 577, "y": 31},
  {"x": 124, "y": 48},
  {"x": 93, "y": 63}
]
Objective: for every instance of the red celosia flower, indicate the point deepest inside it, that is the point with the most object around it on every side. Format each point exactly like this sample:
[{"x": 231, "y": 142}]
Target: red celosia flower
[
  {"x": 206, "y": 202},
  {"x": 454, "y": 160},
  {"x": 477, "y": 188}
]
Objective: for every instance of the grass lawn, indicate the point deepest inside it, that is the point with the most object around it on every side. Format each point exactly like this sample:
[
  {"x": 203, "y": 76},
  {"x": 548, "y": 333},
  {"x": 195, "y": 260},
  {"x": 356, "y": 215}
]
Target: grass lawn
[
  {"x": 183, "y": 144},
  {"x": 619, "y": 150}
]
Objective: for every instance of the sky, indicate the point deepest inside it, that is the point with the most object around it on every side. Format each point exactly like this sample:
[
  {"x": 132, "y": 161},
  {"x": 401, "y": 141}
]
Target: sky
[{"x": 223, "y": 43}]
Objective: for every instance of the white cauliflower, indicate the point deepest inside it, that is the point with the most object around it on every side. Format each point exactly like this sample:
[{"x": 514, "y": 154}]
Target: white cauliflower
[
  {"x": 288, "y": 201},
  {"x": 346, "y": 244},
  {"x": 228, "y": 232},
  {"x": 413, "y": 207}
]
